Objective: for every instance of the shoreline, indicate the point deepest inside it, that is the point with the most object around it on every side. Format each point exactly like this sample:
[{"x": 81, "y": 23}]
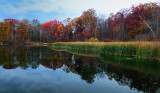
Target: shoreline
[{"x": 27, "y": 43}]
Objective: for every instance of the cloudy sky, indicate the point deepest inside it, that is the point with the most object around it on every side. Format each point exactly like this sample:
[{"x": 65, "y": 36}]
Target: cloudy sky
[{"x": 46, "y": 10}]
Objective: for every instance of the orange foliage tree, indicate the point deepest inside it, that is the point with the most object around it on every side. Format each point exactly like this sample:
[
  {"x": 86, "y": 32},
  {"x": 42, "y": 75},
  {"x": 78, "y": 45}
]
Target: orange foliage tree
[
  {"x": 4, "y": 31},
  {"x": 89, "y": 18},
  {"x": 13, "y": 23},
  {"x": 22, "y": 30}
]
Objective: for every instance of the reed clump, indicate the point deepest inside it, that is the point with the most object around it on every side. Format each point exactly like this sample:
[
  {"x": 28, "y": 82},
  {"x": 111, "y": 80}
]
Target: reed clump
[{"x": 140, "y": 50}]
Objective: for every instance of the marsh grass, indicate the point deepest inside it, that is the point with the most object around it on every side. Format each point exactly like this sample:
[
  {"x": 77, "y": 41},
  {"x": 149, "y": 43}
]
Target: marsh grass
[
  {"x": 141, "y": 65},
  {"x": 140, "y": 50}
]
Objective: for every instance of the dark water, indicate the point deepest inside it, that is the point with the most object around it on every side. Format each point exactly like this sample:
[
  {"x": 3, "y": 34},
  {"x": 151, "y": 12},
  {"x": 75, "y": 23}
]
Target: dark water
[{"x": 43, "y": 70}]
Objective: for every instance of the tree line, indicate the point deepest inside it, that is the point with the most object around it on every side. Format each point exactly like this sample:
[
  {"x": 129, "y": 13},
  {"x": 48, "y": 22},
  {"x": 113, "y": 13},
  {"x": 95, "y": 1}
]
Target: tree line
[{"x": 140, "y": 22}]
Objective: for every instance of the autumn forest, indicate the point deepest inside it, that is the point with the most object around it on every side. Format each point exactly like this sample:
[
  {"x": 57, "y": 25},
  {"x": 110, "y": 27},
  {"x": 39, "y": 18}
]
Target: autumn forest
[
  {"x": 79, "y": 46},
  {"x": 138, "y": 23}
]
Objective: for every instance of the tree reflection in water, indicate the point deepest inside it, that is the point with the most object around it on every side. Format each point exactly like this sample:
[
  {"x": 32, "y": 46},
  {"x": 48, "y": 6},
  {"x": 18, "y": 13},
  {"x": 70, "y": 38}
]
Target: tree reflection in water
[{"x": 142, "y": 76}]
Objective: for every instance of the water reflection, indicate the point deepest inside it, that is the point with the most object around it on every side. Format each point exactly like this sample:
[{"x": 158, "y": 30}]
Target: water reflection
[{"x": 140, "y": 76}]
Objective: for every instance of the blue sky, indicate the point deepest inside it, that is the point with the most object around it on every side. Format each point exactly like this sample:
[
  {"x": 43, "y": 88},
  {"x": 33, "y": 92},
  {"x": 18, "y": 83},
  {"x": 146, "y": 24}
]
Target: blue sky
[{"x": 46, "y": 10}]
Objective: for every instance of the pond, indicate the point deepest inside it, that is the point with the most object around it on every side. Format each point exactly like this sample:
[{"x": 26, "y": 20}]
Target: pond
[{"x": 44, "y": 70}]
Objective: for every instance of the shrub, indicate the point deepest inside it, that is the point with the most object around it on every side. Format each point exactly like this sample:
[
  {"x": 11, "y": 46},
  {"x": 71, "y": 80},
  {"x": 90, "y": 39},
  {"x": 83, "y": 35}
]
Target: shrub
[{"x": 92, "y": 39}]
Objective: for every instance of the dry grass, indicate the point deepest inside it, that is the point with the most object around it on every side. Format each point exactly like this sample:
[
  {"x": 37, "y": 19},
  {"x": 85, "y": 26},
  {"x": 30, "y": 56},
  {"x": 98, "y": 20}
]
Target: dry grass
[{"x": 141, "y": 44}]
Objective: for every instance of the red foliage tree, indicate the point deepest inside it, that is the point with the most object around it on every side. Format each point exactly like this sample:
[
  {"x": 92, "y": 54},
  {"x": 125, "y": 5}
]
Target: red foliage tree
[
  {"x": 135, "y": 20},
  {"x": 86, "y": 33},
  {"x": 51, "y": 29}
]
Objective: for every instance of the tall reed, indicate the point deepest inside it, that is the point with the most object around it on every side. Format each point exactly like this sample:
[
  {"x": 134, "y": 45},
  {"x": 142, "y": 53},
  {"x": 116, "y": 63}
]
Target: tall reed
[{"x": 140, "y": 50}]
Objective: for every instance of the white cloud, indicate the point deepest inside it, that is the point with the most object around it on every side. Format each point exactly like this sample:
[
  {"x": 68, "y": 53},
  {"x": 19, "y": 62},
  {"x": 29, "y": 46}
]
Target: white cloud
[{"x": 70, "y": 8}]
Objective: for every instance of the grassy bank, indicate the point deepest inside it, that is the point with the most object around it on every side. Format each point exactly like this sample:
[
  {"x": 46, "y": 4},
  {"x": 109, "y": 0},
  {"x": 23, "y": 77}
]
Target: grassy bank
[{"x": 140, "y": 50}]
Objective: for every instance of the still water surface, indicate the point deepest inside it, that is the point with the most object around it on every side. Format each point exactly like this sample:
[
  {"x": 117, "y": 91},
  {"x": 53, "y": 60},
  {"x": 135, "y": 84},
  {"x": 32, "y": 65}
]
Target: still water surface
[{"x": 44, "y": 70}]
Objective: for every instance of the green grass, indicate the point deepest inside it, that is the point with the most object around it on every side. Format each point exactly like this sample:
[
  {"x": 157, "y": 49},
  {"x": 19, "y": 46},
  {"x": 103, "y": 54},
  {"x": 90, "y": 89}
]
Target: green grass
[
  {"x": 122, "y": 50},
  {"x": 139, "y": 50}
]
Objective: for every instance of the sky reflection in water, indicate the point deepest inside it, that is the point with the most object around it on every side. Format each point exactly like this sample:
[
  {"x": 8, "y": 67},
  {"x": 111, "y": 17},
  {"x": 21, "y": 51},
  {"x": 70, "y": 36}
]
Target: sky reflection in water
[{"x": 42, "y": 70}]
